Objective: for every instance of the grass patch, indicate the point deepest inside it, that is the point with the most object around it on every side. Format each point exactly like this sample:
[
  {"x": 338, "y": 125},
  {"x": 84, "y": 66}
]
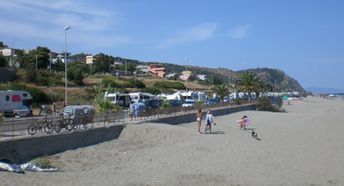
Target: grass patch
[{"x": 42, "y": 162}]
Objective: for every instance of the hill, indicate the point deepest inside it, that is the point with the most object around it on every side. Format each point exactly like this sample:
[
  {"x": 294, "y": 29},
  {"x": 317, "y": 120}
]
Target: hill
[{"x": 277, "y": 79}]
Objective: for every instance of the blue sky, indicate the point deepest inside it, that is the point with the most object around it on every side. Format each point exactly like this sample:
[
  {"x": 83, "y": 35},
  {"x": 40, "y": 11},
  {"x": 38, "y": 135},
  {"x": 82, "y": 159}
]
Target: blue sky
[{"x": 304, "y": 38}]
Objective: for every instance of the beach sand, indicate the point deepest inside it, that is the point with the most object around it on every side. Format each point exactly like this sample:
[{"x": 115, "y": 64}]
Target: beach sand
[{"x": 304, "y": 146}]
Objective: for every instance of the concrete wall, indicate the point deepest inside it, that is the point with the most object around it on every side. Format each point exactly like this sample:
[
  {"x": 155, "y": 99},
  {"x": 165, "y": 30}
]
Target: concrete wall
[
  {"x": 7, "y": 75},
  {"x": 175, "y": 120},
  {"x": 23, "y": 150},
  {"x": 26, "y": 149}
]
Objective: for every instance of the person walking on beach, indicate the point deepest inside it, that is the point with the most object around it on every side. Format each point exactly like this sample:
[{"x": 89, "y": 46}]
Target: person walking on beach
[
  {"x": 209, "y": 118},
  {"x": 131, "y": 111},
  {"x": 199, "y": 120}
]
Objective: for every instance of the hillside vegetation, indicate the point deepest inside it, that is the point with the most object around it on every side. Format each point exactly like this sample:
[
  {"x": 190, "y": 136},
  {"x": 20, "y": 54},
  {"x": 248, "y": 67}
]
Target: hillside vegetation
[{"x": 33, "y": 72}]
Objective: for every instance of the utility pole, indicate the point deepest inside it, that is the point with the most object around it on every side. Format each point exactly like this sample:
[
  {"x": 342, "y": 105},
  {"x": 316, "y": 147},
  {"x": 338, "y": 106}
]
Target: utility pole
[{"x": 125, "y": 67}]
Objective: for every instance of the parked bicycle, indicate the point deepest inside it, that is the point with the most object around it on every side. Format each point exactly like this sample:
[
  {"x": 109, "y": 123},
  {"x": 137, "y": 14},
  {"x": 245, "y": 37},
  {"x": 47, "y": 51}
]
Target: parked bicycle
[
  {"x": 45, "y": 126},
  {"x": 80, "y": 114},
  {"x": 65, "y": 122}
]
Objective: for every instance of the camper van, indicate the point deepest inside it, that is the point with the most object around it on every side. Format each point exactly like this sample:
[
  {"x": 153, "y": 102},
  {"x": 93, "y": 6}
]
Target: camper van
[
  {"x": 15, "y": 103},
  {"x": 117, "y": 98},
  {"x": 148, "y": 99}
]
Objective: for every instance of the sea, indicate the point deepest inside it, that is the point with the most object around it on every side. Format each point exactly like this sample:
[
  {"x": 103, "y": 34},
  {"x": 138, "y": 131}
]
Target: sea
[{"x": 337, "y": 95}]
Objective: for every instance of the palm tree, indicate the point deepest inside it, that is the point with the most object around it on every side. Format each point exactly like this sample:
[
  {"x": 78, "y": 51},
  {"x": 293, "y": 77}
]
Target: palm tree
[
  {"x": 249, "y": 82},
  {"x": 104, "y": 104},
  {"x": 222, "y": 90}
]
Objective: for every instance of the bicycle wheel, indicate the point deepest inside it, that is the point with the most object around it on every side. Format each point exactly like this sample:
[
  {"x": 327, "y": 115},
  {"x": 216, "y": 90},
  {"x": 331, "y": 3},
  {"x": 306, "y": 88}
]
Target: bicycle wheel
[
  {"x": 32, "y": 129},
  {"x": 84, "y": 124},
  {"x": 58, "y": 126},
  {"x": 48, "y": 127},
  {"x": 75, "y": 125},
  {"x": 69, "y": 124}
]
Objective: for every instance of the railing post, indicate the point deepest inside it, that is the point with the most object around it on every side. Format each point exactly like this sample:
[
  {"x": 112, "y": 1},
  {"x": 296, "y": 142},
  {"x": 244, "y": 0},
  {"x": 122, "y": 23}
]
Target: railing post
[
  {"x": 12, "y": 128},
  {"x": 123, "y": 116}
]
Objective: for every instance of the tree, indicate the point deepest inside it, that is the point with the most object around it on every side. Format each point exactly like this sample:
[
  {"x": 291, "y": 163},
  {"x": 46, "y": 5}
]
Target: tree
[
  {"x": 222, "y": 90},
  {"x": 42, "y": 54},
  {"x": 104, "y": 104},
  {"x": 102, "y": 63},
  {"x": 217, "y": 80},
  {"x": 58, "y": 65},
  {"x": 3, "y": 62},
  {"x": 2, "y": 45},
  {"x": 31, "y": 73},
  {"x": 76, "y": 72},
  {"x": 24, "y": 59},
  {"x": 249, "y": 82}
]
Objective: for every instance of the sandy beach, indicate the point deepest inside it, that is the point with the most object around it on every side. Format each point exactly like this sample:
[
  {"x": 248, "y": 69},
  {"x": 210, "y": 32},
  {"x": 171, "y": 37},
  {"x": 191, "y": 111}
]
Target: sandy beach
[{"x": 304, "y": 146}]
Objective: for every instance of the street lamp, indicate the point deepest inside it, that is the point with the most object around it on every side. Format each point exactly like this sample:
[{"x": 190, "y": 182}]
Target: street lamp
[
  {"x": 65, "y": 61},
  {"x": 186, "y": 69}
]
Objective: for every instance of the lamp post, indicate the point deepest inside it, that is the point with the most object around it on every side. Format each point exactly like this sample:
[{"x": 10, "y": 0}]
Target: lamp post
[
  {"x": 65, "y": 61},
  {"x": 186, "y": 69}
]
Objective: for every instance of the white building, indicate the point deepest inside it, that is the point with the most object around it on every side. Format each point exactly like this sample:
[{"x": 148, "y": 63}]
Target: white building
[
  {"x": 7, "y": 52},
  {"x": 202, "y": 77},
  {"x": 89, "y": 59},
  {"x": 142, "y": 69}
]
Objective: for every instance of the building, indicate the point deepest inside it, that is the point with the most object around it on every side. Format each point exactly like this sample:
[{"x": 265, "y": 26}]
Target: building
[
  {"x": 89, "y": 59},
  {"x": 7, "y": 52},
  {"x": 202, "y": 77},
  {"x": 185, "y": 75},
  {"x": 157, "y": 70},
  {"x": 55, "y": 56},
  {"x": 142, "y": 70},
  {"x": 171, "y": 76}
]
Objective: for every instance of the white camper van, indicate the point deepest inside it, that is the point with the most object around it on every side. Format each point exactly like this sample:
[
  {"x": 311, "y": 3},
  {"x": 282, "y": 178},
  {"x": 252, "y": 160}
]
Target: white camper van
[
  {"x": 141, "y": 96},
  {"x": 121, "y": 99},
  {"x": 15, "y": 103}
]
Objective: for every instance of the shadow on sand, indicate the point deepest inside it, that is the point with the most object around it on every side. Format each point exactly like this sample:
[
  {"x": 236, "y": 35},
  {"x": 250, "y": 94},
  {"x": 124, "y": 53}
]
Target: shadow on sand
[{"x": 215, "y": 132}]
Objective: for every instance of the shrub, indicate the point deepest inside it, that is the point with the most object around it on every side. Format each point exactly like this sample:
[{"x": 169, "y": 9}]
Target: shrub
[
  {"x": 54, "y": 97},
  {"x": 135, "y": 83},
  {"x": 199, "y": 103},
  {"x": 165, "y": 104},
  {"x": 169, "y": 85},
  {"x": 152, "y": 90},
  {"x": 109, "y": 81},
  {"x": 42, "y": 162},
  {"x": 237, "y": 101},
  {"x": 265, "y": 104},
  {"x": 46, "y": 78}
]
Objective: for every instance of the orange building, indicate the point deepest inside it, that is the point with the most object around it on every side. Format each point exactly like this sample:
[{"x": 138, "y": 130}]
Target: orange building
[{"x": 157, "y": 70}]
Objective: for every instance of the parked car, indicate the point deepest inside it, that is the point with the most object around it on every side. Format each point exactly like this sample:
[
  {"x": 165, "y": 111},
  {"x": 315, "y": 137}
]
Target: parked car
[
  {"x": 79, "y": 112},
  {"x": 175, "y": 103},
  {"x": 188, "y": 103},
  {"x": 154, "y": 103},
  {"x": 213, "y": 101},
  {"x": 22, "y": 112}
]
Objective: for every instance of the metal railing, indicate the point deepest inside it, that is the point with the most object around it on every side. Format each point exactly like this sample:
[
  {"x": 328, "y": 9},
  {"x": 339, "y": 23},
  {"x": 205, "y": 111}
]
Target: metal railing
[{"x": 11, "y": 128}]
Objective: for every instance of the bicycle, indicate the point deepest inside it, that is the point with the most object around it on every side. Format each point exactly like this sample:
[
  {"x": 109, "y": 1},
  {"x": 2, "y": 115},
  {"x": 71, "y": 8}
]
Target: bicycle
[
  {"x": 83, "y": 118},
  {"x": 66, "y": 123},
  {"x": 45, "y": 125}
]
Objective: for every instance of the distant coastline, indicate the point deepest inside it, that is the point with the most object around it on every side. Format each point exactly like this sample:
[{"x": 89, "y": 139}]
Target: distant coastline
[{"x": 321, "y": 90}]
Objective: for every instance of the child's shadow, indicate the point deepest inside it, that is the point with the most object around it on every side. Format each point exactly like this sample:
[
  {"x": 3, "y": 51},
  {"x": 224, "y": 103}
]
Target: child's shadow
[{"x": 215, "y": 132}]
